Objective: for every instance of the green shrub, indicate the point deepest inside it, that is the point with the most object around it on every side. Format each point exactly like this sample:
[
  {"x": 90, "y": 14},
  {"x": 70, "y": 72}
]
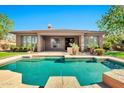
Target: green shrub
[
  {"x": 17, "y": 49},
  {"x": 22, "y": 49},
  {"x": 25, "y": 49},
  {"x": 92, "y": 46},
  {"x": 4, "y": 46},
  {"x": 12, "y": 48},
  {"x": 107, "y": 45},
  {"x": 99, "y": 51}
]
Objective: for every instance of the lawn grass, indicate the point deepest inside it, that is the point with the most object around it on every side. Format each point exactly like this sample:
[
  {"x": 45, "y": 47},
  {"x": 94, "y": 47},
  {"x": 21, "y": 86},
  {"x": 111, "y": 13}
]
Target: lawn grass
[
  {"x": 9, "y": 54},
  {"x": 115, "y": 54}
]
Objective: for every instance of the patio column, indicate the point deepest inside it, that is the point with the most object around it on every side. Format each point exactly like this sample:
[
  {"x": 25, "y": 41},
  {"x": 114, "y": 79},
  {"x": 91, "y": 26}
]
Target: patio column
[
  {"x": 18, "y": 40},
  {"x": 41, "y": 43},
  {"x": 81, "y": 39},
  {"x": 100, "y": 41},
  {"x": 38, "y": 43}
]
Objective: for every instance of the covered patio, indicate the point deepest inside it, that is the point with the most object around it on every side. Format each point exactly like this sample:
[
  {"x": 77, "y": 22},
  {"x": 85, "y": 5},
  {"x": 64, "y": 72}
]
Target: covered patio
[{"x": 58, "y": 40}]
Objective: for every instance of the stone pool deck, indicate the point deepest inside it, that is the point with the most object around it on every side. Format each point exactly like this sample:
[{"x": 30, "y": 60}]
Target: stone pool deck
[
  {"x": 108, "y": 77},
  {"x": 69, "y": 82},
  {"x": 9, "y": 79},
  {"x": 62, "y": 82},
  {"x": 114, "y": 78}
]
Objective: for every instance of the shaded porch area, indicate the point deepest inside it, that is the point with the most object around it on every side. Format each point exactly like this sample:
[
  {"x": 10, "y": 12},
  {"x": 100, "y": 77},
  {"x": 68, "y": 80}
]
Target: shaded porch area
[{"x": 57, "y": 43}]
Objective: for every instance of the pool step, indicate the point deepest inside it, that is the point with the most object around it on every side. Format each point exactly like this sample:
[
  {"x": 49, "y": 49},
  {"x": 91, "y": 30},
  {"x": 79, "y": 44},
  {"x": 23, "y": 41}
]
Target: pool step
[
  {"x": 9, "y": 79},
  {"x": 26, "y": 86},
  {"x": 100, "y": 85},
  {"x": 114, "y": 78},
  {"x": 27, "y": 56},
  {"x": 62, "y": 82}
]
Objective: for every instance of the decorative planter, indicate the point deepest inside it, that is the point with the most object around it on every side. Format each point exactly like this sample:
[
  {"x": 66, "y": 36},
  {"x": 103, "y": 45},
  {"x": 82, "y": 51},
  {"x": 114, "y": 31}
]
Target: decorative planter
[
  {"x": 72, "y": 51},
  {"x": 69, "y": 50},
  {"x": 75, "y": 51}
]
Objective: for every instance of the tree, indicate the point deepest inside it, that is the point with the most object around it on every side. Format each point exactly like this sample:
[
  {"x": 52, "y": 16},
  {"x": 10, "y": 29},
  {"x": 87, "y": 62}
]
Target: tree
[
  {"x": 6, "y": 25},
  {"x": 112, "y": 22}
]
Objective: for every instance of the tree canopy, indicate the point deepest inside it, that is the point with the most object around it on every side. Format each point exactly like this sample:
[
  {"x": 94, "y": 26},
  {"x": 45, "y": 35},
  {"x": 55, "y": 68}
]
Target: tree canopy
[
  {"x": 112, "y": 22},
  {"x": 6, "y": 25}
]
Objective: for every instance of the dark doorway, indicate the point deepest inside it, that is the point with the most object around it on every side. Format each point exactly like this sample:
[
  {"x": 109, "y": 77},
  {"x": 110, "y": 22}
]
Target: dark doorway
[{"x": 68, "y": 41}]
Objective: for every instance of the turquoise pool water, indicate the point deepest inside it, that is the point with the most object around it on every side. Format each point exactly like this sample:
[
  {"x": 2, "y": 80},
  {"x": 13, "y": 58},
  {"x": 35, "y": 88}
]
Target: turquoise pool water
[{"x": 36, "y": 71}]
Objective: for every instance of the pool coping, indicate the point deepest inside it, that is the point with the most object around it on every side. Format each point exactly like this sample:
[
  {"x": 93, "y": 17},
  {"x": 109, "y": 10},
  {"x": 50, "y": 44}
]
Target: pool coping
[
  {"x": 17, "y": 57},
  {"x": 37, "y": 55}
]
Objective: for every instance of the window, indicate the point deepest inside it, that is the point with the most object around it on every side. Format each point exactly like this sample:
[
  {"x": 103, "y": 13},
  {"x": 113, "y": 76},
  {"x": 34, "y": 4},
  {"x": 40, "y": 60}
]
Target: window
[
  {"x": 29, "y": 40},
  {"x": 90, "y": 39},
  {"x": 55, "y": 43}
]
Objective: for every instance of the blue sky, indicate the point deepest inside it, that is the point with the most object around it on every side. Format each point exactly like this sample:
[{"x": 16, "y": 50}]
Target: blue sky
[{"x": 61, "y": 17}]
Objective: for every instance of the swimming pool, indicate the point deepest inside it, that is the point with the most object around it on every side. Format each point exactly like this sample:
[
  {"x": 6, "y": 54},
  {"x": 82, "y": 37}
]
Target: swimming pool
[{"x": 36, "y": 71}]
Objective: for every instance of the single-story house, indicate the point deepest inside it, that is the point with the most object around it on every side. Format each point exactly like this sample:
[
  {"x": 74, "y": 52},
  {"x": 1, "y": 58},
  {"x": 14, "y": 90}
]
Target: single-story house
[{"x": 58, "y": 39}]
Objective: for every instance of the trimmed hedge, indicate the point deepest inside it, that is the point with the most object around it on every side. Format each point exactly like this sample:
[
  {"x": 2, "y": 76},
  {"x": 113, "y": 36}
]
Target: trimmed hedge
[{"x": 20, "y": 49}]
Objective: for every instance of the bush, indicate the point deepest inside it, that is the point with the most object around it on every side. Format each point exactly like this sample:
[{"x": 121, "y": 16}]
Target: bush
[
  {"x": 4, "y": 46},
  {"x": 99, "y": 51},
  {"x": 19, "y": 49},
  {"x": 22, "y": 49},
  {"x": 92, "y": 45},
  {"x": 12, "y": 47},
  {"x": 107, "y": 45}
]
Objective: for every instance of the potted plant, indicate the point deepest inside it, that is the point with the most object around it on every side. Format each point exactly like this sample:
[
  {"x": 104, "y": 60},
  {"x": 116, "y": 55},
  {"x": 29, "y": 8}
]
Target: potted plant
[
  {"x": 99, "y": 51},
  {"x": 75, "y": 48},
  {"x": 92, "y": 46}
]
